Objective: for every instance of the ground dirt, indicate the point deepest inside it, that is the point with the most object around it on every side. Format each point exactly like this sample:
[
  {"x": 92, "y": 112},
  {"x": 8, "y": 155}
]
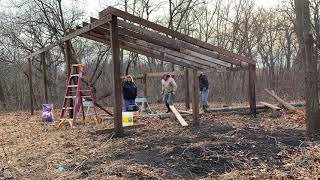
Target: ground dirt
[{"x": 223, "y": 146}]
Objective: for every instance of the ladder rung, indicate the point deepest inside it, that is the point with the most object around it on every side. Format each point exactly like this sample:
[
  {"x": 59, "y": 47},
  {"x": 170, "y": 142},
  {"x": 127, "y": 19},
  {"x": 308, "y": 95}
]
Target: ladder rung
[
  {"x": 80, "y": 91},
  {"x": 67, "y": 108},
  {"x": 72, "y": 86},
  {"x": 69, "y": 97},
  {"x": 75, "y": 75}
]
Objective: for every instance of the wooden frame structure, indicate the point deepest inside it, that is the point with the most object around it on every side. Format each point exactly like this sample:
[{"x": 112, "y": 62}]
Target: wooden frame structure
[{"x": 123, "y": 30}]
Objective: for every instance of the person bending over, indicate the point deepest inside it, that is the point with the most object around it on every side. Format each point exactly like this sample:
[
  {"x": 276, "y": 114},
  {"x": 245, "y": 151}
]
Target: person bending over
[
  {"x": 204, "y": 90},
  {"x": 169, "y": 87}
]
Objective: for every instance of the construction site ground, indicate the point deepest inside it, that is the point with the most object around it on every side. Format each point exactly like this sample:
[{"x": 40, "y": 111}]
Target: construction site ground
[{"x": 223, "y": 146}]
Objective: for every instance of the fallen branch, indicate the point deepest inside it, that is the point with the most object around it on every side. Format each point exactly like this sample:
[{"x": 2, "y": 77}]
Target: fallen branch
[
  {"x": 285, "y": 104},
  {"x": 270, "y": 106},
  {"x": 246, "y": 108}
]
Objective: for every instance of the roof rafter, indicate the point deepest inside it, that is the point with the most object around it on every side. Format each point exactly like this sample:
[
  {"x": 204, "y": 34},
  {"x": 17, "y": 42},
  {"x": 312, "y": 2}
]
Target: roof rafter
[
  {"x": 174, "y": 34},
  {"x": 154, "y": 42}
]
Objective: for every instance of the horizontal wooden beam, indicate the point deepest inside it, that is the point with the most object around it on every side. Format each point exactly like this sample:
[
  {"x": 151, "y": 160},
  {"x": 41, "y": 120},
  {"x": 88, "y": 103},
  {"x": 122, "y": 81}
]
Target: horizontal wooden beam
[
  {"x": 71, "y": 35},
  {"x": 157, "y": 39},
  {"x": 171, "y": 55},
  {"x": 183, "y": 46},
  {"x": 139, "y": 35},
  {"x": 142, "y": 50},
  {"x": 174, "y": 34},
  {"x": 207, "y": 58},
  {"x": 207, "y": 62}
]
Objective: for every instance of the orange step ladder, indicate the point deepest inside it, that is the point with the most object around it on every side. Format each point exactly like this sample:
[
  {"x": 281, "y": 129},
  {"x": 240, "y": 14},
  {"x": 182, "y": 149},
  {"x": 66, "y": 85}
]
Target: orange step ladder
[{"x": 74, "y": 96}]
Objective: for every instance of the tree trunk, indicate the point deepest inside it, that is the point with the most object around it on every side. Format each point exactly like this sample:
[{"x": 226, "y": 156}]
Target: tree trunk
[
  {"x": 2, "y": 96},
  {"x": 306, "y": 42}
]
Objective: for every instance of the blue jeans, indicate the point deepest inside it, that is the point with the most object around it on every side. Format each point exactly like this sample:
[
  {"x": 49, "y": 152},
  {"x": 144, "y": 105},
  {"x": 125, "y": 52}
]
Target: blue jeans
[
  {"x": 168, "y": 98},
  {"x": 204, "y": 96},
  {"x": 128, "y": 102}
]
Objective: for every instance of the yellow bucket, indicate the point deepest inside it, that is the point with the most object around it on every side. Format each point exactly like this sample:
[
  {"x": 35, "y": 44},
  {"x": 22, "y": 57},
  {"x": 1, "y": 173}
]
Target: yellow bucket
[{"x": 127, "y": 119}]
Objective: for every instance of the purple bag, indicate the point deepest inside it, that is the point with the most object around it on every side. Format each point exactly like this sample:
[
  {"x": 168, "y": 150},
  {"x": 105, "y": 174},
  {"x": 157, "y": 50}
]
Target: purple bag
[{"x": 47, "y": 112}]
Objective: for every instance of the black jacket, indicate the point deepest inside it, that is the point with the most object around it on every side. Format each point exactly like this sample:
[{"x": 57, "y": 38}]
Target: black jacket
[
  {"x": 129, "y": 90},
  {"x": 203, "y": 82}
]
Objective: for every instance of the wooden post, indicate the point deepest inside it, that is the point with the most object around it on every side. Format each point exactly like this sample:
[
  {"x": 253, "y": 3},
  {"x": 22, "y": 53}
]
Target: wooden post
[
  {"x": 68, "y": 58},
  {"x": 45, "y": 76},
  {"x": 187, "y": 94},
  {"x": 30, "y": 87},
  {"x": 145, "y": 85},
  {"x": 117, "y": 109},
  {"x": 252, "y": 91},
  {"x": 195, "y": 97}
]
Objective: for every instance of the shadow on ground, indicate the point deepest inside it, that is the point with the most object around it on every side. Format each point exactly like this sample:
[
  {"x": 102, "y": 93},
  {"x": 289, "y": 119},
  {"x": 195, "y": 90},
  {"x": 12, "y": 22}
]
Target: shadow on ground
[{"x": 210, "y": 149}]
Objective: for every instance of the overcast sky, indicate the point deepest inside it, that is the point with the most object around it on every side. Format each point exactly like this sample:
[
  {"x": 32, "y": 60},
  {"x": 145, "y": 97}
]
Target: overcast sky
[{"x": 94, "y": 6}]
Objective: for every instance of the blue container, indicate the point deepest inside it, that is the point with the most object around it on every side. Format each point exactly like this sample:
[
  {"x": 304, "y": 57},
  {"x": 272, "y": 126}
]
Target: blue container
[{"x": 47, "y": 112}]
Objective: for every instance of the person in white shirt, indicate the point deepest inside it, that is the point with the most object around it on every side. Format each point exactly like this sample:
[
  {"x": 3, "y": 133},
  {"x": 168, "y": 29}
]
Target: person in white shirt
[{"x": 169, "y": 88}]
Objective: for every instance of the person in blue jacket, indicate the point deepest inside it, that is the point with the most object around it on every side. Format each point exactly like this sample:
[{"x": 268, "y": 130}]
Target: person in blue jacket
[{"x": 129, "y": 91}]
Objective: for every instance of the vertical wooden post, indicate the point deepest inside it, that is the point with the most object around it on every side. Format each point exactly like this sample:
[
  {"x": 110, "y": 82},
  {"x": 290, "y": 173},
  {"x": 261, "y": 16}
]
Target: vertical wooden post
[
  {"x": 30, "y": 87},
  {"x": 45, "y": 76},
  {"x": 145, "y": 85},
  {"x": 68, "y": 58},
  {"x": 187, "y": 94},
  {"x": 252, "y": 91},
  {"x": 117, "y": 109},
  {"x": 195, "y": 97}
]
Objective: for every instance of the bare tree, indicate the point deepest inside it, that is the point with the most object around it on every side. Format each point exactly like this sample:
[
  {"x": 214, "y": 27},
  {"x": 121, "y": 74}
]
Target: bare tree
[{"x": 311, "y": 76}]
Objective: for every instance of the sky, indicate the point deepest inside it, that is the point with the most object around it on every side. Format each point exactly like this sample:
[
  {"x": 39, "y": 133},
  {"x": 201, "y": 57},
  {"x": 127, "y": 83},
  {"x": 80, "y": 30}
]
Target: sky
[{"x": 94, "y": 6}]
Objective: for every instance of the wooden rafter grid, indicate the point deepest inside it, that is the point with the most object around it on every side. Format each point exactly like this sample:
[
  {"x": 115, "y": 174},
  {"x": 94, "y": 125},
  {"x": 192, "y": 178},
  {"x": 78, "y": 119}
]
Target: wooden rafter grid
[
  {"x": 155, "y": 41},
  {"x": 174, "y": 34}
]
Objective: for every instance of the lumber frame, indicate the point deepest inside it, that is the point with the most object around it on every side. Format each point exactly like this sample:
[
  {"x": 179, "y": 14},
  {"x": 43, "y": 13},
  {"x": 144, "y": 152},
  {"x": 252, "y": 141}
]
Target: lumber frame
[
  {"x": 187, "y": 94},
  {"x": 252, "y": 91},
  {"x": 194, "y": 59},
  {"x": 195, "y": 98},
  {"x": 174, "y": 34},
  {"x": 72, "y": 35},
  {"x": 115, "y": 48},
  {"x": 176, "y": 45},
  {"x": 145, "y": 88},
  {"x": 155, "y": 52},
  {"x": 157, "y": 42},
  {"x": 30, "y": 86}
]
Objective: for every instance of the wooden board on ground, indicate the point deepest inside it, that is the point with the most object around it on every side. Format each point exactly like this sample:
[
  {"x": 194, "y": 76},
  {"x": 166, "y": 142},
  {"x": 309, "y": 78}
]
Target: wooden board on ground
[
  {"x": 110, "y": 130},
  {"x": 285, "y": 104},
  {"x": 178, "y": 116},
  {"x": 271, "y": 106},
  {"x": 185, "y": 112}
]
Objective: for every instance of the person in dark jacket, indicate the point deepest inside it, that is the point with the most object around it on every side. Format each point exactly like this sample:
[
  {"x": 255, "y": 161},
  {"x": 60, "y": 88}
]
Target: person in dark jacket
[
  {"x": 204, "y": 90},
  {"x": 129, "y": 91}
]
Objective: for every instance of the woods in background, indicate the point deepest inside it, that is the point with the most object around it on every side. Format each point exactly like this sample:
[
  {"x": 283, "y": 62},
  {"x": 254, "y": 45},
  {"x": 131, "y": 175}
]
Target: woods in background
[{"x": 268, "y": 36}]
